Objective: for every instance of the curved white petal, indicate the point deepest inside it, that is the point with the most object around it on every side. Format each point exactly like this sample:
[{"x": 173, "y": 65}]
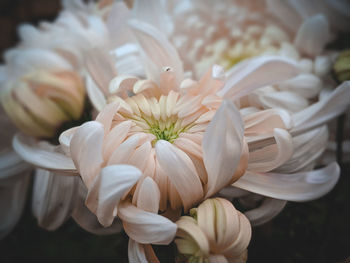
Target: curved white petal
[
  {"x": 308, "y": 147},
  {"x": 256, "y": 73},
  {"x": 222, "y": 146},
  {"x": 107, "y": 190},
  {"x": 158, "y": 50},
  {"x": 268, "y": 209},
  {"x": 42, "y": 154},
  {"x": 145, "y": 227},
  {"x": 53, "y": 198},
  {"x": 313, "y": 35},
  {"x": 324, "y": 110},
  {"x": 270, "y": 157},
  {"x": 300, "y": 187},
  {"x": 87, "y": 220},
  {"x": 86, "y": 150},
  {"x": 136, "y": 252}
]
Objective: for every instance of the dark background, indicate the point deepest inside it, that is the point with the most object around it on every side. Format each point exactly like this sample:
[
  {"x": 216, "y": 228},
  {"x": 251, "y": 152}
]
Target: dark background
[{"x": 317, "y": 231}]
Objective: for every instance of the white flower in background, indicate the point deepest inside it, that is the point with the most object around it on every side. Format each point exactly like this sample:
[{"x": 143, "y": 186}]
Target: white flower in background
[{"x": 229, "y": 32}]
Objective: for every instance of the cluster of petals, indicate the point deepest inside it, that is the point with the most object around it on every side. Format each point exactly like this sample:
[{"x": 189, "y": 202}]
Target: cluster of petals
[{"x": 215, "y": 232}]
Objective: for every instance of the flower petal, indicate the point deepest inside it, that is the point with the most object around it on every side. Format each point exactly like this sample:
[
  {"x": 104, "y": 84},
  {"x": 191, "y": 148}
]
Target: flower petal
[
  {"x": 272, "y": 156},
  {"x": 313, "y": 35},
  {"x": 87, "y": 220},
  {"x": 181, "y": 172},
  {"x": 107, "y": 190},
  {"x": 266, "y": 211},
  {"x": 145, "y": 227},
  {"x": 54, "y": 197},
  {"x": 299, "y": 187},
  {"x": 86, "y": 150},
  {"x": 256, "y": 73},
  {"x": 222, "y": 147},
  {"x": 158, "y": 50},
  {"x": 42, "y": 154},
  {"x": 13, "y": 193},
  {"x": 321, "y": 112}
]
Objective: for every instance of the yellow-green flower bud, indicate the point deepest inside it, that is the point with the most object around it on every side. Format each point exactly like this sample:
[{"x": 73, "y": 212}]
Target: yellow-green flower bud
[{"x": 214, "y": 232}]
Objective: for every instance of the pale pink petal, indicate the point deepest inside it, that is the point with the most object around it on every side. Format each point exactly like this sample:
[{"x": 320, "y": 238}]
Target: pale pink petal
[
  {"x": 125, "y": 150},
  {"x": 107, "y": 190},
  {"x": 299, "y": 187},
  {"x": 42, "y": 155},
  {"x": 222, "y": 147},
  {"x": 145, "y": 227},
  {"x": 265, "y": 121},
  {"x": 268, "y": 209},
  {"x": 159, "y": 51},
  {"x": 321, "y": 112},
  {"x": 149, "y": 196},
  {"x": 255, "y": 73},
  {"x": 313, "y": 35},
  {"x": 86, "y": 150},
  {"x": 115, "y": 137},
  {"x": 105, "y": 117},
  {"x": 181, "y": 172},
  {"x": 54, "y": 198}
]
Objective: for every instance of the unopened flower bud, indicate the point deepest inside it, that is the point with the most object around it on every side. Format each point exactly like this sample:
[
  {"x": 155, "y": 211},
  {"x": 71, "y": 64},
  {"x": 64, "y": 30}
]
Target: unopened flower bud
[
  {"x": 341, "y": 66},
  {"x": 214, "y": 232},
  {"x": 38, "y": 103}
]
